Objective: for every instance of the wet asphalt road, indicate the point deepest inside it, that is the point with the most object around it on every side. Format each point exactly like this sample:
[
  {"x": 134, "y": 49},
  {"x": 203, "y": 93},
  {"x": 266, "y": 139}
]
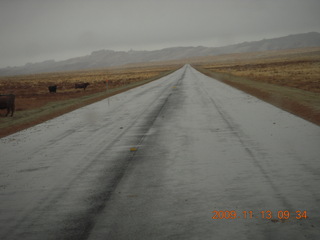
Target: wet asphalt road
[{"x": 157, "y": 161}]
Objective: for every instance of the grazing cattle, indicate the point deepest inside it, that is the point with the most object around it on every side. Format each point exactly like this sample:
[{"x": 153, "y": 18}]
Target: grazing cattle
[
  {"x": 7, "y": 102},
  {"x": 81, "y": 85},
  {"x": 53, "y": 89}
]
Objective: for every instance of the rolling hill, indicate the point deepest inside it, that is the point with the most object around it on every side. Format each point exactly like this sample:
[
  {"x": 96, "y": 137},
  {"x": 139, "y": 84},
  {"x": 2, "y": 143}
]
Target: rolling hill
[{"x": 109, "y": 58}]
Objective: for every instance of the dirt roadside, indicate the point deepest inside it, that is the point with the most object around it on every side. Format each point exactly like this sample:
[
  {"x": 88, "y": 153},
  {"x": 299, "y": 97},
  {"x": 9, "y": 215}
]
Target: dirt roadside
[
  {"x": 41, "y": 109},
  {"x": 291, "y": 100}
]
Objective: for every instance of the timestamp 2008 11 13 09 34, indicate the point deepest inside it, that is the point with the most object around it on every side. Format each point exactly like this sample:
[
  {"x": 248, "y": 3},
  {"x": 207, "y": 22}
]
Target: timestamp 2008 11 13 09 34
[{"x": 266, "y": 214}]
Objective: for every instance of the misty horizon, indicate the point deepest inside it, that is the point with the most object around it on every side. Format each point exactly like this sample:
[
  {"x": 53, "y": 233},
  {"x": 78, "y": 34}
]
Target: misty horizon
[
  {"x": 38, "y": 30},
  {"x": 143, "y": 50}
]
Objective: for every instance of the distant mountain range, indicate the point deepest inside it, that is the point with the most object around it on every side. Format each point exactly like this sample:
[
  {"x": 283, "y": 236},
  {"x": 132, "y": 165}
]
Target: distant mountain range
[{"x": 109, "y": 58}]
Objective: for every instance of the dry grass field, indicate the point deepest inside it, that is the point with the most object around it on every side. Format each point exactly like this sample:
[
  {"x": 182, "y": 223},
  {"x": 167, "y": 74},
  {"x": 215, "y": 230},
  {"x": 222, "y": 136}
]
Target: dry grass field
[
  {"x": 287, "y": 79},
  {"x": 302, "y": 72},
  {"x": 32, "y": 90},
  {"x": 34, "y": 103}
]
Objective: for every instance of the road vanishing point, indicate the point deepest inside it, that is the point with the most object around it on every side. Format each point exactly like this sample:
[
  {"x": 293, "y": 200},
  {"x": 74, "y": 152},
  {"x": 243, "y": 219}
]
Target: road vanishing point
[{"x": 183, "y": 157}]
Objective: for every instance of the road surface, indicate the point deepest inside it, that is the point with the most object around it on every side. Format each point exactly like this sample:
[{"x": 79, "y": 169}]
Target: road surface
[{"x": 183, "y": 157}]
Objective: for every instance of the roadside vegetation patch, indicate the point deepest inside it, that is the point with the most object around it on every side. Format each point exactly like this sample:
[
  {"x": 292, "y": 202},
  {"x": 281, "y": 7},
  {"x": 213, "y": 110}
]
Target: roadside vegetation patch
[
  {"x": 35, "y": 104},
  {"x": 290, "y": 82}
]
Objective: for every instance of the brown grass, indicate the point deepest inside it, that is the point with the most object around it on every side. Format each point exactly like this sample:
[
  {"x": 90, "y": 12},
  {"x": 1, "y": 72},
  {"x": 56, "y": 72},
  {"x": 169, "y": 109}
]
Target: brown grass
[
  {"x": 302, "y": 74},
  {"x": 34, "y": 103},
  {"x": 289, "y": 80}
]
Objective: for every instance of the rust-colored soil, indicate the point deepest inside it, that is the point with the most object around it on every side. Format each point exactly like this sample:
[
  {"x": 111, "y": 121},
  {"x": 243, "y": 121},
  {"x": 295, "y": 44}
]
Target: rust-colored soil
[
  {"x": 288, "y": 79},
  {"x": 291, "y": 105},
  {"x": 298, "y": 102},
  {"x": 34, "y": 103}
]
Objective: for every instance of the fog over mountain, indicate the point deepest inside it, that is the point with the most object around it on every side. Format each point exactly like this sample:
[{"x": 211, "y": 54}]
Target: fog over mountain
[{"x": 109, "y": 58}]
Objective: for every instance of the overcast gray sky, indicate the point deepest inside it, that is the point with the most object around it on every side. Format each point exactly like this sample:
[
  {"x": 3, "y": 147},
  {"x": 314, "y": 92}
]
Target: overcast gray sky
[{"x": 38, "y": 30}]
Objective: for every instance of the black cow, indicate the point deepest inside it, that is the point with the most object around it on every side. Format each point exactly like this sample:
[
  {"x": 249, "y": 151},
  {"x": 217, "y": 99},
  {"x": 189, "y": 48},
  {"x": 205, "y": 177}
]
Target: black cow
[
  {"x": 7, "y": 102},
  {"x": 53, "y": 89},
  {"x": 81, "y": 85}
]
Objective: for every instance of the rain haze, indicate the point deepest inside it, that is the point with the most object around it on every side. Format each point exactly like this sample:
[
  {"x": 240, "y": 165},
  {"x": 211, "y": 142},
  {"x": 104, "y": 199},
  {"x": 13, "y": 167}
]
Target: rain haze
[{"x": 39, "y": 30}]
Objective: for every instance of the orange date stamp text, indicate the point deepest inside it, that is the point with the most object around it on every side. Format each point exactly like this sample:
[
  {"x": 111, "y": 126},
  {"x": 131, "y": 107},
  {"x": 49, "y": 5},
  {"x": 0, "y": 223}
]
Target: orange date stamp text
[{"x": 266, "y": 214}]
